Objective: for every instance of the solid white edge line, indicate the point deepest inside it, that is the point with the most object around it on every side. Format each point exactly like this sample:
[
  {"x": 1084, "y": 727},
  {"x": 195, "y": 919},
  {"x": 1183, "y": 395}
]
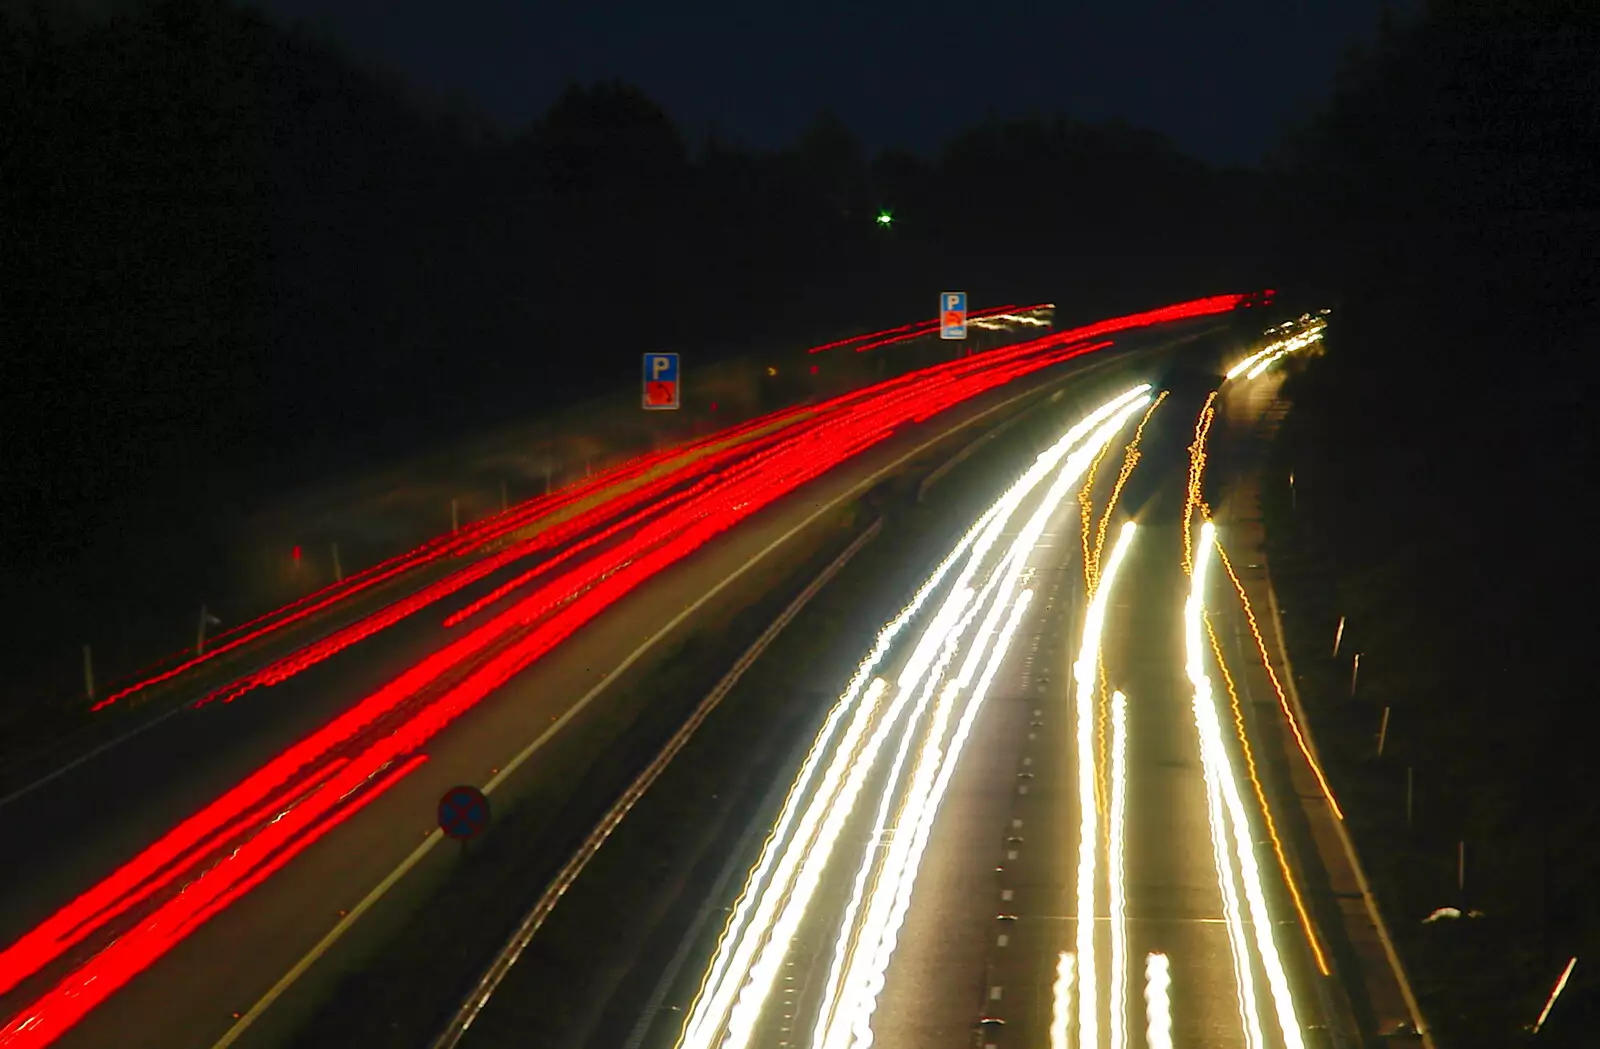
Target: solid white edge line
[{"x": 299, "y": 969}]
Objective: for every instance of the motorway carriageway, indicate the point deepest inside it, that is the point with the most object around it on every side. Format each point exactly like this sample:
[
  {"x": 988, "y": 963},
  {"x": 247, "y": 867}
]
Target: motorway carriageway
[
  {"x": 1142, "y": 808},
  {"x": 513, "y": 606}
]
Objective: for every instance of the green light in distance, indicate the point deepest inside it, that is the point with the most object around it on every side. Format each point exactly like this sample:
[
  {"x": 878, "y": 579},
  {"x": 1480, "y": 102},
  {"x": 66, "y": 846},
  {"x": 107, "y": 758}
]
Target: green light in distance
[{"x": 885, "y": 217}]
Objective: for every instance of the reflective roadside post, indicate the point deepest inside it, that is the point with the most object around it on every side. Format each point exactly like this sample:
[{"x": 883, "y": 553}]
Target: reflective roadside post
[{"x": 206, "y": 619}]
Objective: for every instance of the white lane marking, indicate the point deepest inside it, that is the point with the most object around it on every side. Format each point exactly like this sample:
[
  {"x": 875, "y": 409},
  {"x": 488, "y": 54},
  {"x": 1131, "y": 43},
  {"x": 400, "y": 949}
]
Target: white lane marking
[
  {"x": 378, "y": 891},
  {"x": 1158, "y": 1002},
  {"x": 1061, "y": 1001}
]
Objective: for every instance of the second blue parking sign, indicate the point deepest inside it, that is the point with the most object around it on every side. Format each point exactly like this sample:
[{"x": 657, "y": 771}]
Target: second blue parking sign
[{"x": 953, "y": 315}]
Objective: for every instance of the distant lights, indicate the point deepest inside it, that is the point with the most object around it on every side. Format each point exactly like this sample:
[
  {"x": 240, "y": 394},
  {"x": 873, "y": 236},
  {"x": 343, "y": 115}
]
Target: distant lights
[{"x": 1302, "y": 333}]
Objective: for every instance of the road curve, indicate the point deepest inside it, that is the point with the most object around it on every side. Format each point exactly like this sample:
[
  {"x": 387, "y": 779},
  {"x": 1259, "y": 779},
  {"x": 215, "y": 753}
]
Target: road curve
[{"x": 212, "y": 952}]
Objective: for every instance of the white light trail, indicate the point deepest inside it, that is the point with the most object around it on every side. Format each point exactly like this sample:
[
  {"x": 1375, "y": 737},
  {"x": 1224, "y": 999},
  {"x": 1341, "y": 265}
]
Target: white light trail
[
  {"x": 846, "y": 1014},
  {"x": 780, "y": 886},
  {"x": 1157, "y": 1002},
  {"x": 743, "y": 930},
  {"x": 869, "y": 982},
  {"x": 737, "y": 954},
  {"x": 1265, "y": 357},
  {"x": 834, "y": 812},
  {"x": 849, "y": 932},
  {"x": 1244, "y": 973},
  {"x": 1001, "y": 321},
  {"x": 1061, "y": 1002},
  {"x": 1115, "y": 865},
  {"x": 1223, "y": 779},
  {"x": 1086, "y": 674}
]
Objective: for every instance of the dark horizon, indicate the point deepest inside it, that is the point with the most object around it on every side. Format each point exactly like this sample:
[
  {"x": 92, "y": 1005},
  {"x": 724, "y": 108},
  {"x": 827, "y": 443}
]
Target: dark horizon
[
  {"x": 277, "y": 311},
  {"x": 1221, "y": 82},
  {"x": 1195, "y": 73}
]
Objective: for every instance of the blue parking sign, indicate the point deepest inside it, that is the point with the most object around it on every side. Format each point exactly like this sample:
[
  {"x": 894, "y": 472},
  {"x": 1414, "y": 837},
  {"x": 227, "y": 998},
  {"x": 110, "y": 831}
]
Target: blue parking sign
[
  {"x": 953, "y": 315},
  {"x": 661, "y": 391}
]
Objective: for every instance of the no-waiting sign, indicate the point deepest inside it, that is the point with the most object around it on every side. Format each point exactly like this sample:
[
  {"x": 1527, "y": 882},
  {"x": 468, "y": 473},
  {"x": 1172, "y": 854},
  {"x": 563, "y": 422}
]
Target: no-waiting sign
[
  {"x": 661, "y": 381},
  {"x": 463, "y": 813}
]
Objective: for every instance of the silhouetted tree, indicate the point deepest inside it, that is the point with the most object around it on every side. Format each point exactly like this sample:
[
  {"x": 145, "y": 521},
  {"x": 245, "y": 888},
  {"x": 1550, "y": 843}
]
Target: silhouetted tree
[
  {"x": 235, "y": 259},
  {"x": 1446, "y": 197}
]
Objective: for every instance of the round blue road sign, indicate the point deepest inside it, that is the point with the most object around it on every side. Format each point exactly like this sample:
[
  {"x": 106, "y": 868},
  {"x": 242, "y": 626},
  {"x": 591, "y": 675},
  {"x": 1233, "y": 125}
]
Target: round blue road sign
[{"x": 463, "y": 812}]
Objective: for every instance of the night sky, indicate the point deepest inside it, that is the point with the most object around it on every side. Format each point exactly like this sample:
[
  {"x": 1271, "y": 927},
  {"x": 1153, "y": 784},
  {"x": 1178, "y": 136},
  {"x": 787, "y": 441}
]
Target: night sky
[{"x": 1219, "y": 77}]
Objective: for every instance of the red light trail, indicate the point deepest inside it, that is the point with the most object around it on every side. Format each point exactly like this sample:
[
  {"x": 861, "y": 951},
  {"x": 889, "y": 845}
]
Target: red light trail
[
  {"x": 916, "y": 329},
  {"x": 146, "y": 907}
]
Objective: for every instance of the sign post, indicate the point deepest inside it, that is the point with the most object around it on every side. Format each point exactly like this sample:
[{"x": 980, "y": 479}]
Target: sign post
[
  {"x": 661, "y": 390},
  {"x": 953, "y": 315},
  {"x": 463, "y": 814}
]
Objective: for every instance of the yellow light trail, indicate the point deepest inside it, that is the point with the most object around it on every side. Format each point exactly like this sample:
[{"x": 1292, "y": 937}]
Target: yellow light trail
[
  {"x": 1086, "y": 518},
  {"x": 1061, "y": 1002},
  {"x": 1277, "y": 688},
  {"x": 1091, "y": 570},
  {"x": 1117, "y": 901},
  {"x": 764, "y": 887},
  {"x": 1261, "y": 798},
  {"x": 864, "y": 951},
  {"x": 1042, "y": 465},
  {"x": 1220, "y": 772},
  {"x": 1266, "y": 810},
  {"x": 1197, "y": 467},
  {"x": 1085, "y": 673},
  {"x": 780, "y": 886},
  {"x": 1130, "y": 459},
  {"x": 1157, "y": 1002},
  {"x": 1297, "y": 342},
  {"x": 1258, "y": 362}
]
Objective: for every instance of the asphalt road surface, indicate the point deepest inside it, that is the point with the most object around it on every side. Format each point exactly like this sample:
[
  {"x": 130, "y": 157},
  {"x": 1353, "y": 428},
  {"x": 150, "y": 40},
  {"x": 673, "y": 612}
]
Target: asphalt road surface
[
  {"x": 854, "y": 923},
  {"x": 70, "y": 832}
]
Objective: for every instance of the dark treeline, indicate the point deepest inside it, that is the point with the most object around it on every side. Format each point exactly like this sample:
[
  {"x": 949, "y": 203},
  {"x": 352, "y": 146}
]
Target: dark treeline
[
  {"x": 225, "y": 245},
  {"x": 229, "y": 246},
  {"x": 1444, "y": 457}
]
